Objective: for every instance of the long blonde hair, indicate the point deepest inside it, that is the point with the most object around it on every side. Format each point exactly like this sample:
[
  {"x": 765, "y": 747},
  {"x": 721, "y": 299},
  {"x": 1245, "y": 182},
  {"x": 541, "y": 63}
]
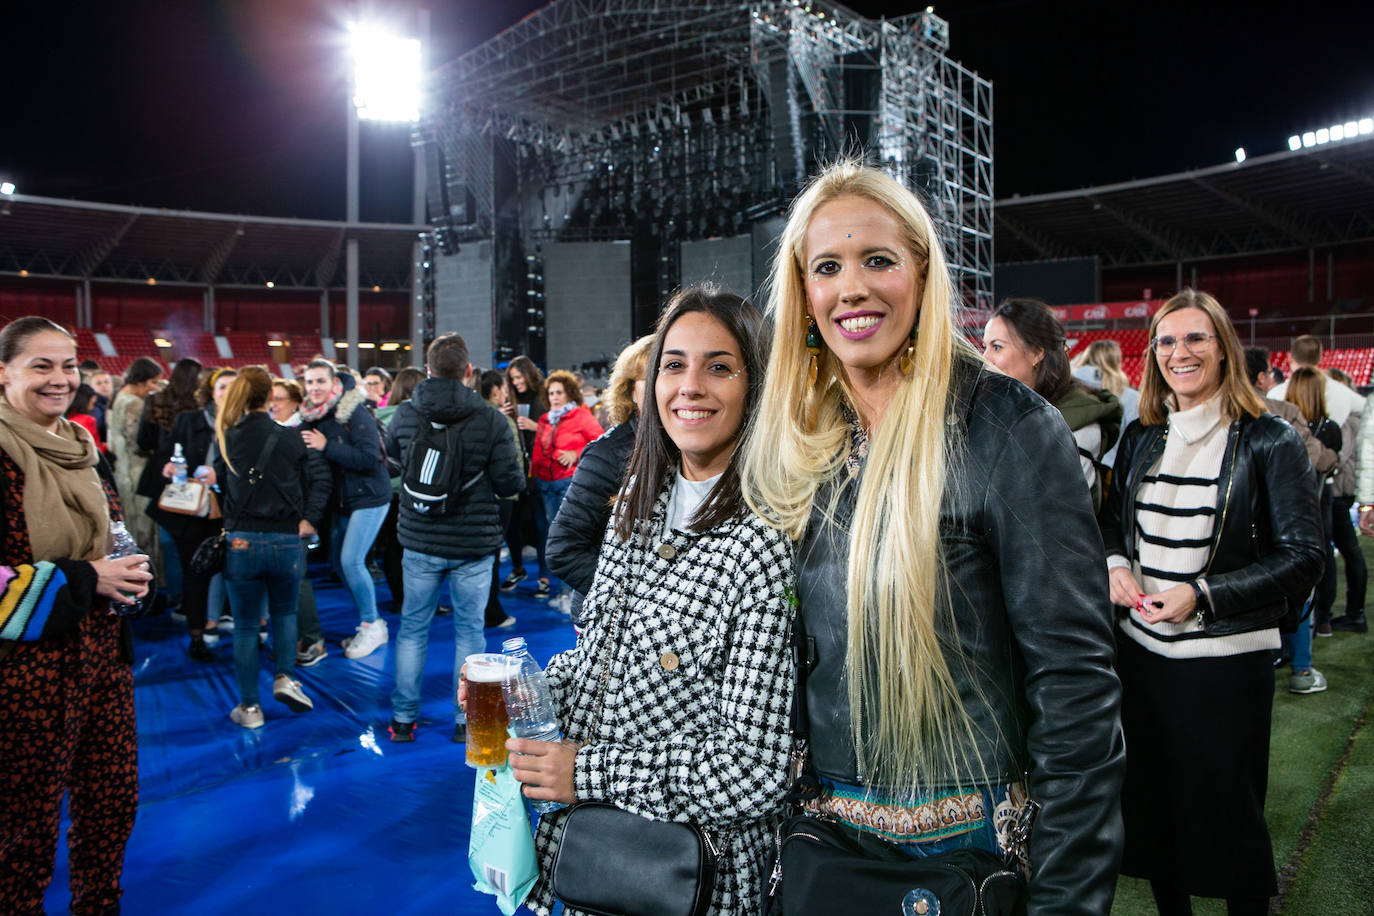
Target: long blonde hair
[
  {"x": 630, "y": 366},
  {"x": 1105, "y": 356},
  {"x": 899, "y": 679}
]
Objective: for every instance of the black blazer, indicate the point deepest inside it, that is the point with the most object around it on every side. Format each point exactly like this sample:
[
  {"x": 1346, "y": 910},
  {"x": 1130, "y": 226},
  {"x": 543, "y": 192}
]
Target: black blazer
[{"x": 575, "y": 536}]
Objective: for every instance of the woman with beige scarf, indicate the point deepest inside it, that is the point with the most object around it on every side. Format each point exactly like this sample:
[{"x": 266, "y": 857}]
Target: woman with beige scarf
[{"x": 66, "y": 688}]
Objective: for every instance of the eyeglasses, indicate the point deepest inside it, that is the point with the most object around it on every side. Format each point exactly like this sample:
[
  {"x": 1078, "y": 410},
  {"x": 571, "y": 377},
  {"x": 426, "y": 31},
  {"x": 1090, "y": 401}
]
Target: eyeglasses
[{"x": 1195, "y": 342}]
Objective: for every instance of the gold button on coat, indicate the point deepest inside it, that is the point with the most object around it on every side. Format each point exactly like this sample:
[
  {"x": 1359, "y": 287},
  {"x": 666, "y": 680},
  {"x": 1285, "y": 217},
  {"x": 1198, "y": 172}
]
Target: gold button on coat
[
  {"x": 669, "y": 661},
  {"x": 667, "y": 551}
]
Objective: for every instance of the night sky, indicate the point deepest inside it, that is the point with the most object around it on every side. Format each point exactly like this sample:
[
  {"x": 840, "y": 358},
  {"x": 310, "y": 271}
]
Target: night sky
[{"x": 238, "y": 105}]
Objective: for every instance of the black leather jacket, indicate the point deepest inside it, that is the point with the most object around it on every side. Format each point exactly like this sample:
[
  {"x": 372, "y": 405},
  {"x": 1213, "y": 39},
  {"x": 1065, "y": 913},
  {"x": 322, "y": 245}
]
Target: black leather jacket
[
  {"x": 1267, "y": 548},
  {"x": 1032, "y": 624},
  {"x": 575, "y": 536}
]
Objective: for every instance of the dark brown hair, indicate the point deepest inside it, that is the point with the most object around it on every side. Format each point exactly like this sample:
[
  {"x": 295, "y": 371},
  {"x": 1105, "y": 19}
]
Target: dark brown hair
[
  {"x": 16, "y": 335},
  {"x": 140, "y": 370},
  {"x": 447, "y": 356},
  {"x": 81, "y": 401},
  {"x": 534, "y": 382},
  {"x": 404, "y": 384},
  {"x": 178, "y": 396},
  {"x": 655, "y": 455},
  {"x": 1033, "y": 322}
]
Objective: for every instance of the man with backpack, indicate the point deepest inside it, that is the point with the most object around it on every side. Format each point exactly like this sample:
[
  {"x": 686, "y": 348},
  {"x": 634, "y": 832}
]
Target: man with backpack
[{"x": 458, "y": 458}]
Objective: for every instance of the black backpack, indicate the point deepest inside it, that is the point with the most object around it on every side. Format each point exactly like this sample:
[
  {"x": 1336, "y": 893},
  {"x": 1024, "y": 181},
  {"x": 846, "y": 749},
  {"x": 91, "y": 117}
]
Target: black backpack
[{"x": 431, "y": 485}]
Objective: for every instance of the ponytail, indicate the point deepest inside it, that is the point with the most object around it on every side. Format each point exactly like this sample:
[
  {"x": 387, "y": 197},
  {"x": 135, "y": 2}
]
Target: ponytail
[{"x": 248, "y": 392}]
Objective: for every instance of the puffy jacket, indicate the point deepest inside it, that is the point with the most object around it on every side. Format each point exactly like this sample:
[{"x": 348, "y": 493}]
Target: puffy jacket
[
  {"x": 489, "y": 450},
  {"x": 575, "y": 535},
  {"x": 1267, "y": 547},
  {"x": 1031, "y": 617},
  {"x": 354, "y": 452},
  {"x": 577, "y": 428}
]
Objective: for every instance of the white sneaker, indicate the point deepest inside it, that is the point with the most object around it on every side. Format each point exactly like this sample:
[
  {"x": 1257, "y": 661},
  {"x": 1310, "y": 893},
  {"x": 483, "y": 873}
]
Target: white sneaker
[
  {"x": 210, "y": 637},
  {"x": 370, "y": 638},
  {"x": 247, "y": 716},
  {"x": 288, "y": 690}
]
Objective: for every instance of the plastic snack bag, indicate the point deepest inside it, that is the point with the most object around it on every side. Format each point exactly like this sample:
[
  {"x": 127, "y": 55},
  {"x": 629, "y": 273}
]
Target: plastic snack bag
[{"x": 501, "y": 848}]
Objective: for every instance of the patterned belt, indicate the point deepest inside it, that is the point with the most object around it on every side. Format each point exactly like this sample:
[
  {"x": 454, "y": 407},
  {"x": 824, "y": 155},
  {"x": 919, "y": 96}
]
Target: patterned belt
[{"x": 915, "y": 822}]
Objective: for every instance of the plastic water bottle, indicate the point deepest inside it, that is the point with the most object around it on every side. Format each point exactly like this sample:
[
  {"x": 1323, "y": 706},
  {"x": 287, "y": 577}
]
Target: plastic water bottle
[
  {"x": 178, "y": 465},
  {"x": 122, "y": 544},
  {"x": 529, "y": 704}
]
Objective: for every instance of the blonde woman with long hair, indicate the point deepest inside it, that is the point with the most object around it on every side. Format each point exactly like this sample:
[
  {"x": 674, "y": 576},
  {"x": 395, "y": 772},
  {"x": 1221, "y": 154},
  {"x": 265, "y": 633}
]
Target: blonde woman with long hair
[
  {"x": 949, "y": 570},
  {"x": 1102, "y": 359}
]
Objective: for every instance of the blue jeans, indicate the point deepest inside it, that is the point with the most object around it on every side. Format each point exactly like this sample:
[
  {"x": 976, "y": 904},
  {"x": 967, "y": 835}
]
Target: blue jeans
[
  {"x": 551, "y": 493},
  {"x": 262, "y": 565},
  {"x": 1300, "y": 643},
  {"x": 352, "y": 538},
  {"x": 468, "y": 583}
]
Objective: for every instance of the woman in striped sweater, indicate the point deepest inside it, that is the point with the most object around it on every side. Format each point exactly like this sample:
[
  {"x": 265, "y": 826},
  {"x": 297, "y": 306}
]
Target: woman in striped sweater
[{"x": 1212, "y": 532}]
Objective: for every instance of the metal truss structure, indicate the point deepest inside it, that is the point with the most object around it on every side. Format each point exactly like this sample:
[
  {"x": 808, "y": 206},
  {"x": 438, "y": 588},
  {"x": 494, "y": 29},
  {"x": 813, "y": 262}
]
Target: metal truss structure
[{"x": 665, "y": 122}]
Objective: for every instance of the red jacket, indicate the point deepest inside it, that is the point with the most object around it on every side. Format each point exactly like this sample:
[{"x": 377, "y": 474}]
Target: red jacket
[{"x": 573, "y": 432}]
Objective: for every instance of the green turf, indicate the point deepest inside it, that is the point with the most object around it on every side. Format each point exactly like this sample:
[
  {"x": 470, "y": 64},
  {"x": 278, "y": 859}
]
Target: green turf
[{"x": 1309, "y": 735}]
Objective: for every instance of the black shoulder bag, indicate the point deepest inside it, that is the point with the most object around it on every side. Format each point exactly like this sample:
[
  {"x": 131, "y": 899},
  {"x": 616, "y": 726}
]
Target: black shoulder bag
[
  {"x": 823, "y": 866},
  {"x": 613, "y": 862},
  {"x": 209, "y": 557}
]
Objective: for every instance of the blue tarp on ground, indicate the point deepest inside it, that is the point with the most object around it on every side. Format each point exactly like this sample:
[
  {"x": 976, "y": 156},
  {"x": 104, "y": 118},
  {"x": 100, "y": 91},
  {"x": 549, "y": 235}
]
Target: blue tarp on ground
[{"x": 312, "y": 813}]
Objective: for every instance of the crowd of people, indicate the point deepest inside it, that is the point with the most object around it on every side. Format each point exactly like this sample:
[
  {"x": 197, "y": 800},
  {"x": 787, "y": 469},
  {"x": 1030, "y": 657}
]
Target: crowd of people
[{"x": 1021, "y": 591}]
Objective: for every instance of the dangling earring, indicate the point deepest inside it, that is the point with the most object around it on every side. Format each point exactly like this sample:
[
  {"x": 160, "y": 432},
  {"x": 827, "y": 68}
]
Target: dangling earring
[
  {"x": 908, "y": 357},
  {"x": 813, "y": 346}
]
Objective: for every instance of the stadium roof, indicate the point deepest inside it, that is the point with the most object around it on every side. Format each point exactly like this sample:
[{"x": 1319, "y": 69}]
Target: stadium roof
[
  {"x": 78, "y": 240},
  {"x": 1310, "y": 198}
]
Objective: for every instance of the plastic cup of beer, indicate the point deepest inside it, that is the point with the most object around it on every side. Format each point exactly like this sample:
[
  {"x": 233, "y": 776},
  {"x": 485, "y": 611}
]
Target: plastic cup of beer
[{"x": 486, "y": 707}]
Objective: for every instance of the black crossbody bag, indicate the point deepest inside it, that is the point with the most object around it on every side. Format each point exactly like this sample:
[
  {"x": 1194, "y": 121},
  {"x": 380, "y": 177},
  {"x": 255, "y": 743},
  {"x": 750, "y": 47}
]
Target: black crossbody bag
[
  {"x": 823, "y": 866},
  {"x": 208, "y": 560},
  {"x": 613, "y": 862}
]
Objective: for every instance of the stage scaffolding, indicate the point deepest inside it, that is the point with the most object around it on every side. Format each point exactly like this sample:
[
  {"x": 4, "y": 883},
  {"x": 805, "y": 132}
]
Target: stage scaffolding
[{"x": 663, "y": 122}]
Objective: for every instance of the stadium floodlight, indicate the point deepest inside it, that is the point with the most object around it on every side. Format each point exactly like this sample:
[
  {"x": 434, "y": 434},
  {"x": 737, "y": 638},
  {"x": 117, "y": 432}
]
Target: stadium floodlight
[
  {"x": 1351, "y": 129},
  {"x": 1337, "y": 131},
  {"x": 1295, "y": 143},
  {"x": 1309, "y": 139},
  {"x": 386, "y": 75},
  {"x": 7, "y": 188},
  {"x": 1367, "y": 125},
  {"x": 1240, "y": 154},
  {"x": 1323, "y": 136}
]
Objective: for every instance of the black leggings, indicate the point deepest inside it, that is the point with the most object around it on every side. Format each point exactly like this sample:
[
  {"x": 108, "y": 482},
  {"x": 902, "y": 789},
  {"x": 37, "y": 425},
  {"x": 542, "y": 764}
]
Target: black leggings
[
  {"x": 1348, "y": 543},
  {"x": 1170, "y": 901},
  {"x": 195, "y": 588},
  {"x": 1326, "y": 588}
]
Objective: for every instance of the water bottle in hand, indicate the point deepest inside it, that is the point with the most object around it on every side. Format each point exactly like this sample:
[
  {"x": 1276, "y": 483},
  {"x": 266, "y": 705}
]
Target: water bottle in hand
[
  {"x": 122, "y": 544},
  {"x": 178, "y": 465},
  {"x": 529, "y": 705}
]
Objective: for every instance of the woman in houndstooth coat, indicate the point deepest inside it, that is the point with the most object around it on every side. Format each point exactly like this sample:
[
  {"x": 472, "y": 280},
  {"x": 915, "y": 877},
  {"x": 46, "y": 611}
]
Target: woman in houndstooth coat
[{"x": 674, "y": 703}]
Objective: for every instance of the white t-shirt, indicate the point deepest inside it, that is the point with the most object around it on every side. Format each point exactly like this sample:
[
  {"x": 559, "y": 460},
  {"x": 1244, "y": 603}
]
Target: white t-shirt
[{"x": 686, "y": 499}]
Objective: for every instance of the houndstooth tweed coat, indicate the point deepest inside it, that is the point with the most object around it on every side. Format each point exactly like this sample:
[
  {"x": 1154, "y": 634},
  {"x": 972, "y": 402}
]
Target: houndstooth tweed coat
[{"x": 694, "y": 724}]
